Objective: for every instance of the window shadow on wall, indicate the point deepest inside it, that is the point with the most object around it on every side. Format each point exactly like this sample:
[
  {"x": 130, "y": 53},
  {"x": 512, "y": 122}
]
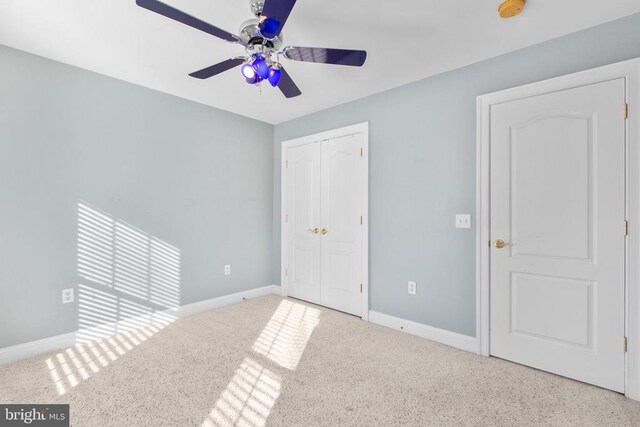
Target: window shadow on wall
[{"x": 128, "y": 290}]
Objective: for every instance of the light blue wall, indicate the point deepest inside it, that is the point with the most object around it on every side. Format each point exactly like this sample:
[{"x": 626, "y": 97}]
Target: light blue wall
[
  {"x": 197, "y": 178},
  {"x": 422, "y": 170},
  {"x": 207, "y": 182}
]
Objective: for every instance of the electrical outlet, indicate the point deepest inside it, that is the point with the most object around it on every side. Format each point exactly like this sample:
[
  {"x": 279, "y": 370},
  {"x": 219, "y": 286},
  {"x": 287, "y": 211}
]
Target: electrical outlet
[
  {"x": 411, "y": 288},
  {"x": 463, "y": 221},
  {"x": 227, "y": 270},
  {"x": 67, "y": 295}
]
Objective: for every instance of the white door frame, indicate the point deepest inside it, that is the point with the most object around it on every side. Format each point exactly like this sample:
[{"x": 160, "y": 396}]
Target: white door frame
[
  {"x": 362, "y": 128},
  {"x": 630, "y": 71}
]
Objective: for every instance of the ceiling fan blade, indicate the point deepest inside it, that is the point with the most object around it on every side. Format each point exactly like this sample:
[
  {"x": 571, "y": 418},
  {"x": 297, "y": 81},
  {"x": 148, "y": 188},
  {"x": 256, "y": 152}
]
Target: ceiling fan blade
[
  {"x": 354, "y": 58},
  {"x": 213, "y": 70},
  {"x": 287, "y": 86},
  {"x": 273, "y": 17},
  {"x": 177, "y": 15}
]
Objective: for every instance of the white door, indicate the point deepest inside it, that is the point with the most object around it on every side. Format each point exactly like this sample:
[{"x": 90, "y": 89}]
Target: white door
[
  {"x": 558, "y": 201},
  {"x": 342, "y": 192},
  {"x": 303, "y": 217}
]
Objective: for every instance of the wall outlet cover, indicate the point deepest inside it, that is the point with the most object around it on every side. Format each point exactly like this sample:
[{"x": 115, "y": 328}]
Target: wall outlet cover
[
  {"x": 411, "y": 288},
  {"x": 227, "y": 270},
  {"x": 67, "y": 296}
]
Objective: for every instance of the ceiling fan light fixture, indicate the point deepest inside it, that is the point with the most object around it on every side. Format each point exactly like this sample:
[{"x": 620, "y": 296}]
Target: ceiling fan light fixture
[
  {"x": 274, "y": 76},
  {"x": 248, "y": 72},
  {"x": 262, "y": 40},
  {"x": 253, "y": 80},
  {"x": 260, "y": 66}
]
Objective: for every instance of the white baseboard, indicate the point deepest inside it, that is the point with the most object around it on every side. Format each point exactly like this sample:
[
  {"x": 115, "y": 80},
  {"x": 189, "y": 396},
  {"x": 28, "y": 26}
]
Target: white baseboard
[
  {"x": 34, "y": 348},
  {"x": 453, "y": 339},
  {"x": 46, "y": 345},
  {"x": 210, "y": 304}
]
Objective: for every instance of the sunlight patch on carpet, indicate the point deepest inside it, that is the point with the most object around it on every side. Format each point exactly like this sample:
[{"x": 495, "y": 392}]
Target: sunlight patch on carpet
[
  {"x": 285, "y": 337},
  {"x": 248, "y": 398}
]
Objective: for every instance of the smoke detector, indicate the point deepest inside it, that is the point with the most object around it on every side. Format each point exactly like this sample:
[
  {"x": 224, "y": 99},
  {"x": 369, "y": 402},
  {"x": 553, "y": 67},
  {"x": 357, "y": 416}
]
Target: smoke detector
[{"x": 510, "y": 8}]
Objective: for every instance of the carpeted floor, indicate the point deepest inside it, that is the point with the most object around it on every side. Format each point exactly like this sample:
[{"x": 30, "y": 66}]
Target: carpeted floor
[{"x": 274, "y": 361}]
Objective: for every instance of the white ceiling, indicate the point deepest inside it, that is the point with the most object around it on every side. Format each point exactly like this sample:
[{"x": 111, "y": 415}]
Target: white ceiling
[{"x": 406, "y": 40}]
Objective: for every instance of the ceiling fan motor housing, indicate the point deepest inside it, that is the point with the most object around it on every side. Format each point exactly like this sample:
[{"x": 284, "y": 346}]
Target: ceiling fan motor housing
[{"x": 250, "y": 35}]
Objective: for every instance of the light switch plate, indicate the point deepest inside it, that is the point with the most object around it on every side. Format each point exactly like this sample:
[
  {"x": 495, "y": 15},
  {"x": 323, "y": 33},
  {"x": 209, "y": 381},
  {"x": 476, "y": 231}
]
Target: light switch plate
[{"x": 463, "y": 221}]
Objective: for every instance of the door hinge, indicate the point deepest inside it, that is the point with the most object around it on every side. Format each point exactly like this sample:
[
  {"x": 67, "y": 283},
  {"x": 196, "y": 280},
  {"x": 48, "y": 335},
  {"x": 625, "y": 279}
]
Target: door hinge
[
  {"x": 286, "y": 272},
  {"x": 626, "y": 111},
  {"x": 360, "y": 287},
  {"x": 625, "y": 228},
  {"x": 625, "y": 344},
  {"x": 286, "y": 164},
  {"x": 361, "y": 152},
  {"x": 360, "y": 219}
]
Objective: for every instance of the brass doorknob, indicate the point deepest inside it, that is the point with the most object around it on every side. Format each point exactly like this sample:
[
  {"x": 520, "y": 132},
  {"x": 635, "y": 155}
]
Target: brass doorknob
[
  {"x": 324, "y": 231},
  {"x": 499, "y": 244},
  {"x": 314, "y": 230}
]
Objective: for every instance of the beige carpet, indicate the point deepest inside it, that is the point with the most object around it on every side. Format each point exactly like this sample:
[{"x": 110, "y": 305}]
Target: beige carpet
[{"x": 282, "y": 362}]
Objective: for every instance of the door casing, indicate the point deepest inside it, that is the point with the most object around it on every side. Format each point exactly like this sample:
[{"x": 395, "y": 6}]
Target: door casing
[
  {"x": 630, "y": 71},
  {"x": 360, "y": 128}
]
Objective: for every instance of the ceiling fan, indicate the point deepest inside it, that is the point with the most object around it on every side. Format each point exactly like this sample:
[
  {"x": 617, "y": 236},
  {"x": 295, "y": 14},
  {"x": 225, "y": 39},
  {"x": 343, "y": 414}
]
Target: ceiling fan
[{"x": 262, "y": 40}]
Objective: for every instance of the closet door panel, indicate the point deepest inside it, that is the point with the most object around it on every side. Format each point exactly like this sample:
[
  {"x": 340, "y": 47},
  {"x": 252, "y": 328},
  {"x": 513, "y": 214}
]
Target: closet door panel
[
  {"x": 342, "y": 189},
  {"x": 303, "y": 217}
]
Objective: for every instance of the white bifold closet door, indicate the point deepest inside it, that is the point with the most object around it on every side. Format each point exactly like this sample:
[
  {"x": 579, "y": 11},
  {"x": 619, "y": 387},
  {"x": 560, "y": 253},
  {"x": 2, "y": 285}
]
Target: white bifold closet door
[{"x": 325, "y": 186}]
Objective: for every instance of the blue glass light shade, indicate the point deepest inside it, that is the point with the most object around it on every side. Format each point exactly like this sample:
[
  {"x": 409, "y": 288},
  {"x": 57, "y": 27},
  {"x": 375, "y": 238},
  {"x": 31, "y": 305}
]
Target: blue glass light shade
[
  {"x": 270, "y": 27},
  {"x": 274, "y": 76},
  {"x": 248, "y": 72},
  {"x": 260, "y": 67}
]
